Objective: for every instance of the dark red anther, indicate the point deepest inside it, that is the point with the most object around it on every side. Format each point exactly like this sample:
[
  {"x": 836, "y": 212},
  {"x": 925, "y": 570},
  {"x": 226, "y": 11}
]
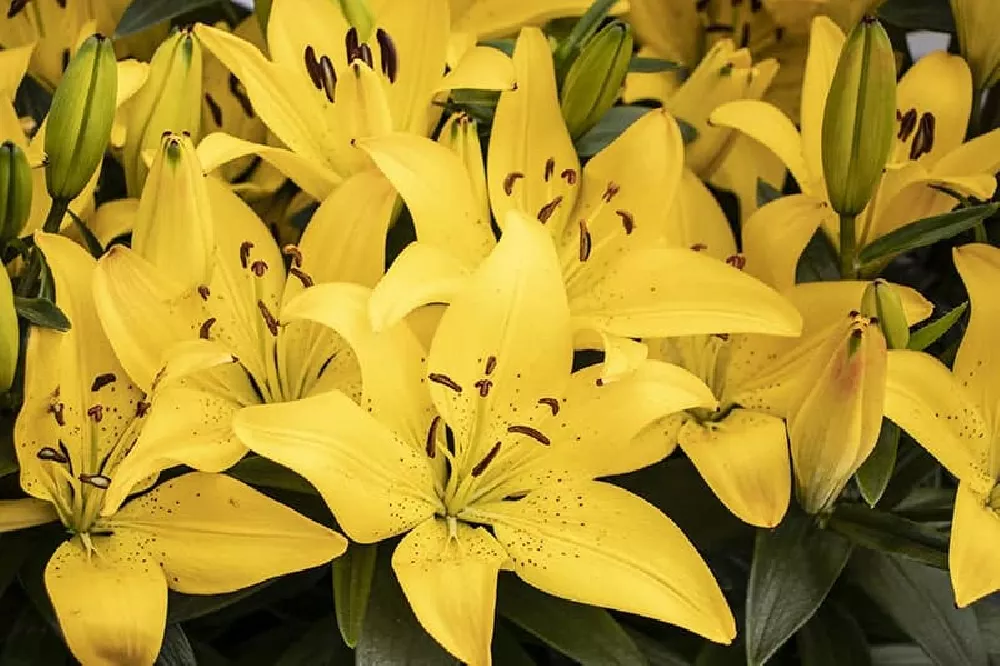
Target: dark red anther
[
  {"x": 533, "y": 433},
  {"x": 481, "y": 466}
]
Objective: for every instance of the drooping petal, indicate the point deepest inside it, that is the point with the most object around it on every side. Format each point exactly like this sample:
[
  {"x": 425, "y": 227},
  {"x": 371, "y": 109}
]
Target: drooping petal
[
  {"x": 531, "y": 161},
  {"x": 376, "y": 484},
  {"x": 22, "y": 513},
  {"x": 775, "y": 236},
  {"x": 203, "y": 526},
  {"x": 480, "y": 68},
  {"x": 111, "y": 603},
  {"x": 744, "y": 459},
  {"x": 975, "y": 531},
  {"x": 450, "y": 581},
  {"x": 826, "y": 40},
  {"x": 560, "y": 536},
  {"x": 504, "y": 342}
]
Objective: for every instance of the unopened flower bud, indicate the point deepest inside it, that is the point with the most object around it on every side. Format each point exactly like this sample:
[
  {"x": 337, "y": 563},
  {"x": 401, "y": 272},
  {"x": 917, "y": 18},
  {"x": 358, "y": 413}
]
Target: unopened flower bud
[
  {"x": 596, "y": 77},
  {"x": 881, "y": 301},
  {"x": 975, "y": 21},
  {"x": 15, "y": 191},
  {"x": 9, "y": 336},
  {"x": 79, "y": 123},
  {"x": 859, "y": 122},
  {"x": 460, "y": 134},
  {"x": 262, "y": 8},
  {"x": 170, "y": 101},
  {"x": 359, "y": 16}
]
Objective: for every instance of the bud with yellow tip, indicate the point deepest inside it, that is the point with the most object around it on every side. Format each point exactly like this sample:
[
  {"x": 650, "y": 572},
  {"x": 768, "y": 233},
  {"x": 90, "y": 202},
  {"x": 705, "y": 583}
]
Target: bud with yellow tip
[
  {"x": 9, "y": 334},
  {"x": 975, "y": 22},
  {"x": 882, "y": 303},
  {"x": 596, "y": 77},
  {"x": 460, "y": 134},
  {"x": 15, "y": 191}
]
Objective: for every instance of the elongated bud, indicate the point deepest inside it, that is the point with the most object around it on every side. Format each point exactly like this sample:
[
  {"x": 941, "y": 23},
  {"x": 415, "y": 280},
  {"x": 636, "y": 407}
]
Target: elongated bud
[
  {"x": 359, "y": 16},
  {"x": 79, "y": 123},
  {"x": 460, "y": 134},
  {"x": 173, "y": 227},
  {"x": 9, "y": 337},
  {"x": 170, "y": 101},
  {"x": 881, "y": 302},
  {"x": 859, "y": 123},
  {"x": 975, "y": 21},
  {"x": 596, "y": 77},
  {"x": 15, "y": 191}
]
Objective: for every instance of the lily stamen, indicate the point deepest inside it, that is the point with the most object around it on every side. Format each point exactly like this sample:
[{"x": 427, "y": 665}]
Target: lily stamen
[
  {"x": 445, "y": 380},
  {"x": 550, "y": 168},
  {"x": 269, "y": 319},
  {"x": 551, "y": 403},
  {"x": 549, "y": 209},
  {"x": 481, "y": 466},
  {"x": 431, "y": 446},
  {"x": 205, "y": 331},
  {"x": 533, "y": 433},
  {"x": 585, "y": 241},
  {"x": 98, "y": 481},
  {"x": 509, "y": 180},
  {"x": 96, "y": 412},
  {"x": 295, "y": 253},
  {"x": 245, "y": 248},
  {"x": 102, "y": 380},
  {"x": 302, "y": 276},
  {"x": 388, "y": 53},
  {"x": 628, "y": 221}
]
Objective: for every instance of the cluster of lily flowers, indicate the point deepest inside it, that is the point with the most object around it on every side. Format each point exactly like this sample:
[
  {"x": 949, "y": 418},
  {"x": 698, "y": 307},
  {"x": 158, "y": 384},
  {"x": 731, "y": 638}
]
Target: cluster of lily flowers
[{"x": 443, "y": 399}]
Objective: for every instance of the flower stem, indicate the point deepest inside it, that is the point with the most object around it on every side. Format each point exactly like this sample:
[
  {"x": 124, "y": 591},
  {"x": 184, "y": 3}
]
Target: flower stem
[
  {"x": 29, "y": 279},
  {"x": 848, "y": 247}
]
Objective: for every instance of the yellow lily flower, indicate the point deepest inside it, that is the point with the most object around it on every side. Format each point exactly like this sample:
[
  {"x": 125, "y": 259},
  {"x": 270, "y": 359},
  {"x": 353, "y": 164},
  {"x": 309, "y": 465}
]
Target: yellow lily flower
[
  {"x": 108, "y": 581},
  {"x": 929, "y": 152},
  {"x": 973, "y": 18},
  {"x": 484, "y": 19},
  {"x": 953, "y": 414},
  {"x": 322, "y": 89},
  {"x": 607, "y": 220},
  {"x": 490, "y": 430}
]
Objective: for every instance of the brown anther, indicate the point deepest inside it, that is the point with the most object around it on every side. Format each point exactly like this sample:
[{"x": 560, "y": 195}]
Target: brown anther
[
  {"x": 365, "y": 55},
  {"x": 491, "y": 365},
  {"x": 65, "y": 60},
  {"x": 204, "y": 291},
  {"x": 206, "y": 328},
  {"x": 599, "y": 382},
  {"x": 389, "y": 55},
  {"x": 627, "y": 220},
  {"x": 240, "y": 93},
  {"x": 295, "y": 253},
  {"x": 15, "y": 7},
  {"x": 484, "y": 386},
  {"x": 611, "y": 191},
  {"x": 48, "y": 454},
  {"x": 756, "y": 5},
  {"x": 245, "y": 248},
  {"x": 141, "y": 408},
  {"x": 721, "y": 336},
  {"x": 157, "y": 378},
  {"x": 100, "y": 381},
  {"x": 328, "y": 79},
  {"x": 853, "y": 313},
  {"x": 569, "y": 175},
  {"x": 719, "y": 29},
  {"x": 259, "y": 268},
  {"x": 923, "y": 142},
  {"x": 96, "y": 412},
  {"x": 745, "y": 36},
  {"x": 530, "y": 432},
  {"x": 444, "y": 380},
  {"x": 779, "y": 33},
  {"x": 269, "y": 319},
  {"x": 737, "y": 261},
  {"x": 550, "y": 168},
  {"x": 431, "y": 445},
  {"x": 98, "y": 481},
  {"x": 56, "y": 410},
  {"x": 481, "y": 466},
  {"x": 546, "y": 211},
  {"x": 312, "y": 67},
  {"x": 551, "y": 403},
  {"x": 585, "y": 241},
  {"x": 907, "y": 123},
  {"x": 351, "y": 44},
  {"x": 214, "y": 109},
  {"x": 509, "y": 180},
  {"x": 857, "y": 334},
  {"x": 699, "y": 247},
  {"x": 302, "y": 276}
]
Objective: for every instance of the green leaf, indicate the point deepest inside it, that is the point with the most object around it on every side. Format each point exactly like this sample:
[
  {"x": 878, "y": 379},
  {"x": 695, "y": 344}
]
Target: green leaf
[
  {"x": 766, "y": 193},
  {"x": 713, "y": 654},
  {"x": 142, "y": 14},
  {"x": 925, "y": 232},
  {"x": 176, "y": 649},
  {"x": 507, "y": 650},
  {"x": 258, "y": 471},
  {"x": 640, "y": 65},
  {"x": 184, "y": 607},
  {"x": 919, "y": 14},
  {"x": 833, "y": 638},
  {"x": 320, "y": 645},
  {"x": 655, "y": 651},
  {"x": 90, "y": 241},
  {"x": 899, "y": 655},
  {"x": 794, "y": 567},
  {"x": 874, "y": 474},
  {"x": 504, "y": 45},
  {"x": 42, "y": 312},
  {"x": 920, "y": 600},
  {"x": 7, "y": 466},
  {"x": 32, "y": 641},
  {"x": 818, "y": 262},
  {"x": 889, "y": 533},
  {"x": 608, "y": 128},
  {"x": 689, "y": 133},
  {"x": 352, "y": 583},
  {"x": 582, "y": 31},
  {"x": 927, "y": 335},
  {"x": 586, "y": 634}
]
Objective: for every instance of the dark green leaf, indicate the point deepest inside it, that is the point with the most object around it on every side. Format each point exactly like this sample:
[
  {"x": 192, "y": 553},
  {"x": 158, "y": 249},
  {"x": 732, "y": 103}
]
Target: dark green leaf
[
  {"x": 89, "y": 239},
  {"x": 7, "y": 466},
  {"x": 921, "y": 601},
  {"x": 352, "y": 583},
  {"x": 587, "y": 634},
  {"x": 899, "y": 655},
  {"x": 874, "y": 474},
  {"x": 142, "y": 14},
  {"x": 794, "y": 567},
  {"x": 14, "y": 549},
  {"x": 176, "y": 649},
  {"x": 988, "y": 615},
  {"x": 927, "y": 335},
  {"x": 258, "y": 471},
  {"x": 184, "y": 607},
  {"x": 320, "y": 645},
  {"x": 713, "y": 654},
  {"x": 766, "y": 193},
  {"x": 918, "y": 14},
  {"x": 507, "y": 650},
  {"x": 926, "y": 232},
  {"x": 504, "y": 45},
  {"x": 913, "y": 466},
  {"x": 889, "y": 533},
  {"x": 608, "y": 128},
  {"x": 655, "y": 651},
  {"x": 42, "y": 312},
  {"x": 833, "y": 638},
  {"x": 818, "y": 262},
  {"x": 640, "y": 65},
  {"x": 689, "y": 133},
  {"x": 32, "y": 642}
]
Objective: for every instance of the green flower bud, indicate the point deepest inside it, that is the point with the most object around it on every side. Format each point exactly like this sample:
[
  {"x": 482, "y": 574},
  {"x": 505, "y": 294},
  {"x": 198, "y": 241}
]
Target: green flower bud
[
  {"x": 9, "y": 335},
  {"x": 170, "y": 101},
  {"x": 596, "y": 77},
  {"x": 359, "y": 16},
  {"x": 79, "y": 123},
  {"x": 15, "y": 191},
  {"x": 262, "y": 8},
  {"x": 859, "y": 122},
  {"x": 881, "y": 300}
]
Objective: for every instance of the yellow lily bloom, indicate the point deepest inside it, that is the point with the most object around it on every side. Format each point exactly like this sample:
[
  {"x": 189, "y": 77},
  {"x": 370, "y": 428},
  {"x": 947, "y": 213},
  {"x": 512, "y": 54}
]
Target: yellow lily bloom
[
  {"x": 322, "y": 90},
  {"x": 490, "y": 429},
  {"x": 953, "y": 414},
  {"x": 108, "y": 581},
  {"x": 933, "y": 103},
  {"x": 974, "y": 18},
  {"x": 484, "y": 19},
  {"x": 608, "y": 221}
]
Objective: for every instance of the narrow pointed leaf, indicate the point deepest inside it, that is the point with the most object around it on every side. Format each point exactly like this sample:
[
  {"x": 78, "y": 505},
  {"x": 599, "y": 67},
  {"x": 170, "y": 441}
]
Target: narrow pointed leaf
[
  {"x": 319, "y": 645},
  {"x": 352, "y": 584},
  {"x": 142, "y": 14},
  {"x": 927, "y": 335},
  {"x": 42, "y": 312},
  {"x": 640, "y": 65},
  {"x": 832, "y": 638},
  {"x": 32, "y": 640},
  {"x": 258, "y": 471},
  {"x": 176, "y": 649},
  {"x": 889, "y": 533},
  {"x": 926, "y": 232},
  {"x": 874, "y": 474},
  {"x": 608, "y": 128}
]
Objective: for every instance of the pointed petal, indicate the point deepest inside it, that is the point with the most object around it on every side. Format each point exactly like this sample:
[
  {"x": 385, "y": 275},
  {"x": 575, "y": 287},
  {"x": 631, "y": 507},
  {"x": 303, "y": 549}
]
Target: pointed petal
[
  {"x": 672, "y": 29},
  {"x": 13, "y": 67},
  {"x": 451, "y": 584},
  {"x": 775, "y": 236},
  {"x": 826, "y": 40},
  {"x": 375, "y": 483},
  {"x": 203, "y": 526},
  {"x": 433, "y": 182},
  {"x": 422, "y": 274},
  {"x": 665, "y": 292},
  {"x": 530, "y": 147},
  {"x": 496, "y": 18},
  {"x": 939, "y": 84},
  {"x": 112, "y": 603},
  {"x": 978, "y": 156},
  {"x": 481, "y": 68},
  {"x": 28, "y": 512},
  {"x": 113, "y": 220},
  {"x": 972, "y": 559},
  {"x": 559, "y": 536},
  {"x": 696, "y": 220},
  {"x": 508, "y": 326},
  {"x": 744, "y": 459}
]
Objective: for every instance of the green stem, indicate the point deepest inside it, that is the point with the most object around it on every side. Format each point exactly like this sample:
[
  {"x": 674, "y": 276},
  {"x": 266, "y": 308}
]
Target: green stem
[
  {"x": 976, "y": 117},
  {"x": 848, "y": 247},
  {"x": 28, "y": 285},
  {"x": 53, "y": 222}
]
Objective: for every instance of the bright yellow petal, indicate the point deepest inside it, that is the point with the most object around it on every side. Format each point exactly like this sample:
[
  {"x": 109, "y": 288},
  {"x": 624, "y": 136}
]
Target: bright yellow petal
[
  {"x": 451, "y": 584},
  {"x": 13, "y": 67},
  {"x": 697, "y": 221},
  {"x": 376, "y": 484},
  {"x": 672, "y": 29},
  {"x": 531, "y": 160},
  {"x": 496, "y": 18},
  {"x": 560, "y": 537},
  {"x": 825, "y": 43},
  {"x": 775, "y": 236},
  {"x": 744, "y": 459},
  {"x": 938, "y": 84},
  {"x": 978, "y": 156},
  {"x": 113, "y": 220},
  {"x": 481, "y": 68},
  {"x": 112, "y": 603},
  {"x": 22, "y": 513},
  {"x": 204, "y": 526},
  {"x": 975, "y": 531}
]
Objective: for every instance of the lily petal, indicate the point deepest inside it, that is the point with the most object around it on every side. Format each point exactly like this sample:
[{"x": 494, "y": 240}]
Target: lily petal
[
  {"x": 496, "y": 18},
  {"x": 826, "y": 41},
  {"x": 22, "y": 513},
  {"x": 559, "y": 536},
  {"x": 971, "y": 555},
  {"x": 696, "y": 220},
  {"x": 939, "y": 84},
  {"x": 481, "y": 68},
  {"x": 775, "y": 236},
  {"x": 450, "y": 581}
]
